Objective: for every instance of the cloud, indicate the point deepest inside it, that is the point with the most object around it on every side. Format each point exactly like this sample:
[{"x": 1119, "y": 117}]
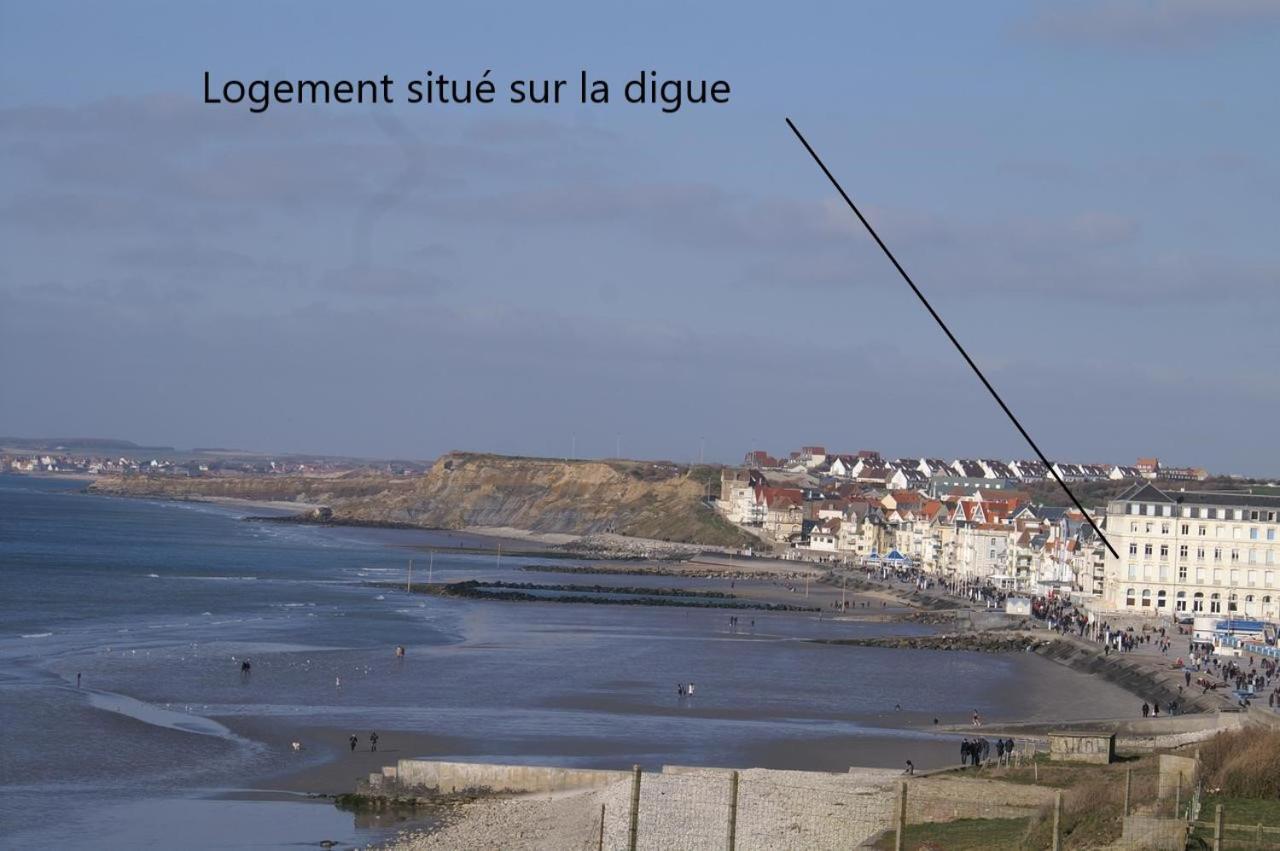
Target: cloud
[{"x": 1152, "y": 23}]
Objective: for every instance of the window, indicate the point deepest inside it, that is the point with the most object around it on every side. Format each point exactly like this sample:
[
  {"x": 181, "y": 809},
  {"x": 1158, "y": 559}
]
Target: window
[
  {"x": 1164, "y": 551},
  {"x": 1133, "y": 527},
  {"x": 1146, "y": 597},
  {"x": 1253, "y": 556},
  {"x": 1237, "y": 533},
  {"x": 1182, "y": 573},
  {"x": 1182, "y": 551},
  {"x": 1162, "y": 599},
  {"x": 1186, "y": 528},
  {"x": 1133, "y": 508},
  {"x": 1237, "y": 514},
  {"x": 1251, "y": 578},
  {"x": 1271, "y": 534},
  {"x": 1133, "y": 549},
  {"x": 1253, "y": 515},
  {"x": 1128, "y": 597},
  {"x": 1253, "y": 532},
  {"x": 1215, "y": 603},
  {"x": 1150, "y": 526},
  {"x": 1146, "y": 551},
  {"x": 1269, "y": 578},
  {"x": 1167, "y": 511},
  {"x": 1200, "y": 575},
  {"x": 1164, "y": 528},
  {"x": 1235, "y": 577},
  {"x": 1217, "y": 553},
  {"x": 1217, "y": 576},
  {"x": 1235, "y": 555},
  {"x": 1133, "y": 571},
  {"x": 1204, "y": 530},
  {"x": 1181, "y": 602},
  {"x": 1231, "y": 603},
  {"x": 1200, "y": 553},
  {"x": 1151, "y": 511},
  {"x": 1197, "y": 602}
]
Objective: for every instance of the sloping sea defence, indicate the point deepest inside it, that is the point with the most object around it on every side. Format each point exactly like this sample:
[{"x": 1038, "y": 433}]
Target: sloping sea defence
[
  {"x": 661, "y": 501},
  {"x": 1143, "y": 678}
]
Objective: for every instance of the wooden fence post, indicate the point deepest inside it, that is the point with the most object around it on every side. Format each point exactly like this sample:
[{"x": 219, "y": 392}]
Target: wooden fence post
[
  {"x": 733, "y": 810},
  {"x": 633, "y": 833},
  {"x": 1128, "y": 787},
  {"x": 1217, "y": 828},
  {"x": 1057, "y": 821},
  {"x": 1177, "y": 797},
  {"x": 600, "y": 846},
  {"x": 900, "y": 833}
]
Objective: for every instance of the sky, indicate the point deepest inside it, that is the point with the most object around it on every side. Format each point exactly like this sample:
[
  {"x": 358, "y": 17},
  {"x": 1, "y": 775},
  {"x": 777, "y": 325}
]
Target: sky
[{"x": 1086, "y": 192}]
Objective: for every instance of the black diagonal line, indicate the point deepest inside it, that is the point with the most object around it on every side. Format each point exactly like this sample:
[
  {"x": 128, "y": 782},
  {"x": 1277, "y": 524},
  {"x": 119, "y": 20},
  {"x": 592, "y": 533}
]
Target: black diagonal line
[{"x": 952, "y": 337}]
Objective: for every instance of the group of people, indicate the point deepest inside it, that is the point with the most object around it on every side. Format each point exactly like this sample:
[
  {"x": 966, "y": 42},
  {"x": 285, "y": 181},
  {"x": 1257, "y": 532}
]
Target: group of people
[
  {"x": 355, "y": 740},
  {"x": 684, "y": 689},
  {"x": 976, "y": 751}
]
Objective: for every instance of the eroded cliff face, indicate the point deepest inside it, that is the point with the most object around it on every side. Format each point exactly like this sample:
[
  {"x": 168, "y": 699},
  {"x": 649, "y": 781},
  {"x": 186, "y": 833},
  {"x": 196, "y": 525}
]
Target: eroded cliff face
[
  {"x": 546, "y": 495},
  {"x": 642, "y": 499}
]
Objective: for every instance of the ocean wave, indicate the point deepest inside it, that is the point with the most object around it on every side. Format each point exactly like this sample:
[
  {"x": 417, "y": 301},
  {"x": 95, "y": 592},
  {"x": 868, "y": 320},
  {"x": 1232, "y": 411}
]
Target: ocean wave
[{"x": 38, "y": 635}]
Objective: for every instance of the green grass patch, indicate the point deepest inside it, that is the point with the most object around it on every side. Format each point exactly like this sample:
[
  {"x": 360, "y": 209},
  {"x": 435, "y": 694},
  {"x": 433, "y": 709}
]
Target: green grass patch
[{"x": 962, "y": 835}]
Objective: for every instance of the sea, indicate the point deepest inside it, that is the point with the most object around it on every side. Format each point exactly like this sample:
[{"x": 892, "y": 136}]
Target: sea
[{"x": 126, "y": 720}]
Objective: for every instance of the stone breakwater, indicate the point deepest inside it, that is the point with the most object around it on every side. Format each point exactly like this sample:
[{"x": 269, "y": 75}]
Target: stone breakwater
[
  {"x": 981, "y": 642},
  {"x": 594, "y": 594}
]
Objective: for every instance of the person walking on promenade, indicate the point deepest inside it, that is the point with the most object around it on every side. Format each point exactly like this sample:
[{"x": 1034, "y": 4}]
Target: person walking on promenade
[
  {"x": 964, "y": 752},
  {"x": 1146, "y": 710},
  {"x": 353, "y": 741},
  {"x": 1000, "y": 751},
  {"x": 373, "y": 742}
]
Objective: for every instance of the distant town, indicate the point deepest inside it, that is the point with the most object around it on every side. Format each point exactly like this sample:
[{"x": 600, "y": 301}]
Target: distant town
[{"x": 1185, "y": 544}]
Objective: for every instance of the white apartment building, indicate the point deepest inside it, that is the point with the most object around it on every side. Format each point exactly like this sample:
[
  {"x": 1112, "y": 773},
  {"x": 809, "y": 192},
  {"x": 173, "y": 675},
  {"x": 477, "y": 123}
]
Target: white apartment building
[{"x": 1192, "y": 552}]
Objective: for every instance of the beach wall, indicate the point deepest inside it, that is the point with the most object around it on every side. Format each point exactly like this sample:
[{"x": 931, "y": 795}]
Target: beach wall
[
  {"x": 1136, "y": 676},
  {"x": 453, "y": 777}
]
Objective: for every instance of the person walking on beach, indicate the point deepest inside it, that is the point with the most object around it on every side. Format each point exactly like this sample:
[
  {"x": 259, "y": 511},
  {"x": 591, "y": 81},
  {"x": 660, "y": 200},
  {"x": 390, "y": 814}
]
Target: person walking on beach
[
  {"x": 77, "y": 679},
  {"x": 353, "y": 741},
  {"x": 1146, "y": 710},
  {"x": 1000, "y": 751},
  {"x": 373, "y": 742},
  {"x": 911, "y": 769},
  {"x": 964, "y": 752}
]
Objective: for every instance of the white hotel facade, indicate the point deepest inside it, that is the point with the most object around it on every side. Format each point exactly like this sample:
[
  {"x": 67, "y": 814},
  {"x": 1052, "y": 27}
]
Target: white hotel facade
[{"x": 1194, "y": 553}]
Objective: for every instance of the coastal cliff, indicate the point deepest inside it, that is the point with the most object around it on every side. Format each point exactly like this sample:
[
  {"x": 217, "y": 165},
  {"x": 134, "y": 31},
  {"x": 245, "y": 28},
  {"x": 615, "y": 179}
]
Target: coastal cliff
[{"x": 634, "y": 498}]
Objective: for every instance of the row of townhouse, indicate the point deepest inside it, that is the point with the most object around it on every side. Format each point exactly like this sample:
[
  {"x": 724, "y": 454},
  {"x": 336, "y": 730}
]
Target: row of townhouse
[
  {"x": 868, "y": 467},
  {"x": 972, "y": 536}
]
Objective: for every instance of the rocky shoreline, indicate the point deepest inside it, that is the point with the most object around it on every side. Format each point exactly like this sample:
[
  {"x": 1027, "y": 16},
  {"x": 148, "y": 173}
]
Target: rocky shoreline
[{"x": 980, "y": 642}]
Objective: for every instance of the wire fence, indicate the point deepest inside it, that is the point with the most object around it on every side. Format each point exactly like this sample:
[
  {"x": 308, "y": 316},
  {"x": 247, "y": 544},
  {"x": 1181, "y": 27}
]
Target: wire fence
[{"x": 1023, "y": 803}]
